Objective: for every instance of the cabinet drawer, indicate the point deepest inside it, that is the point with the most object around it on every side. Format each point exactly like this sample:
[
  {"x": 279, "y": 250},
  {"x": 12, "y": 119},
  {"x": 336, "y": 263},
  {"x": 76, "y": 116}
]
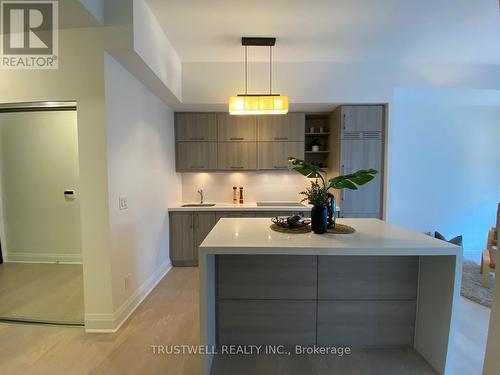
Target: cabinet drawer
[
  {"x": 367, "y": 278},
  {"x": 266, "y": 322},
  {"x": 196, "y": 127},
  {"x": 274, "y": 155},
  {"x": 366, "y": 324},
  {"x": 237, "y": 155},
  {"x": 192, "y": 156},
  {"x": 266, "y": 277}
]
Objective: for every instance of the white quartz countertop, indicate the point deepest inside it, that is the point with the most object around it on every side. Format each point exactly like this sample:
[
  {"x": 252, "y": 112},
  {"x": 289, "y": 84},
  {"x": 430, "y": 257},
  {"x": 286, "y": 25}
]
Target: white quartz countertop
[
  {"x": 250, "y": 206},
  {"x": 372, "y": 237}
]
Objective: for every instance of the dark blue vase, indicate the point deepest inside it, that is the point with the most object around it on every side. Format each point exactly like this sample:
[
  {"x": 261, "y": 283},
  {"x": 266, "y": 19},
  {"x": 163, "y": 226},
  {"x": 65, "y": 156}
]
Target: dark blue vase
[{"x": 319, "y": 219}]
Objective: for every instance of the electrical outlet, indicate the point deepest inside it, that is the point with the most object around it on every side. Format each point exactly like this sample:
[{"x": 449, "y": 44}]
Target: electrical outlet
[
  {"x": 123, "y": 202},
  {"x": 126, "y": 282}
]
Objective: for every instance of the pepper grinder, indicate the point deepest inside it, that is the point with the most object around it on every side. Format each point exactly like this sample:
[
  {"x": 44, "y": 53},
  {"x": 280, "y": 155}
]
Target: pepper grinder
[
  {"x": 235, "y": 195},
  {"x": 241, "y": 195}
]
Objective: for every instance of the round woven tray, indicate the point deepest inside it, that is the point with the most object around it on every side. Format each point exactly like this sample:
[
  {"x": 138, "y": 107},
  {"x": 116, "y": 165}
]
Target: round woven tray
[
  {"x": 339, "y": 229},
  {"x": 298, "y": 230}
]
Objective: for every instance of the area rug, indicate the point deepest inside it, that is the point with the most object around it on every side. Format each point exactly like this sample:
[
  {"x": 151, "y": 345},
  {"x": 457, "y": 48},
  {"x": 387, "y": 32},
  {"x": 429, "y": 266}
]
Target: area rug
[{"x": 472, "y": 286}]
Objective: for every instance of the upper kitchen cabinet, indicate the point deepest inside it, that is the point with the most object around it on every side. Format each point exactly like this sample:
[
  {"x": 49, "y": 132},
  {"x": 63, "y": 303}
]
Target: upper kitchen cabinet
[
  {"x": 237, "y": 155},
  {"x": 200, "y": 127},
  {"x": 274, "y": 155},
  {"x": 362, "y": 118},
  {"x": 289, "y": 127},
  {"x": 236, "y": 128},
  {"x": 196, "y": 156}
]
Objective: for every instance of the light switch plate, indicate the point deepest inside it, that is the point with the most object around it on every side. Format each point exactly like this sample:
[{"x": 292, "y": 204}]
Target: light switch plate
[{"x": 123, "y": 202}]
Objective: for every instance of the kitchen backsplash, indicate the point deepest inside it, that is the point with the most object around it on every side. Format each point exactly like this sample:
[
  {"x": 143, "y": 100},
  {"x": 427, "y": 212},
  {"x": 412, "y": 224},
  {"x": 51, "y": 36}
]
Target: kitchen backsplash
[{"x": 258, "y": 186}]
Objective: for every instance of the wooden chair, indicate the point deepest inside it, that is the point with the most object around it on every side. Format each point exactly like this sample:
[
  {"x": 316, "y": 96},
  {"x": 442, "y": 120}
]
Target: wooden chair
[{"x": 488, "y": 260}]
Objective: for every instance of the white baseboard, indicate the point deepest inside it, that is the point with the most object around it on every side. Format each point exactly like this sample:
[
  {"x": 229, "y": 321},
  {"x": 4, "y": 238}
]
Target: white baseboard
[
  {"x": 110, "y": 323},
  {"x": 26, "y": 257}
]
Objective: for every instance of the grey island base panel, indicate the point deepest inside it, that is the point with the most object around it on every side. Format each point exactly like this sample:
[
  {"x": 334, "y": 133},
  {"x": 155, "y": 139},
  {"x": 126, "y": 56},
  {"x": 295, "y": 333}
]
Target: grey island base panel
[{"x": 364, "y": 302}]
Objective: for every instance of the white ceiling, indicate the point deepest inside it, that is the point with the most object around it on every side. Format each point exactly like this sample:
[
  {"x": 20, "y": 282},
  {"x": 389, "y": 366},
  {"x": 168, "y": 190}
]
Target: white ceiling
[{"x": 465, "y": 31}]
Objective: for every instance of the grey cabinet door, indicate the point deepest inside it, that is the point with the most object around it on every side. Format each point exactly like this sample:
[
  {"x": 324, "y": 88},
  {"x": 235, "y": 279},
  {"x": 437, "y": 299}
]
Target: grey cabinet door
[
  {"x": 274, "y": 155},
  {"x": 366, "y": 324},
  {"x": 289, "y": 127},
  {"x": 283, "y": 277},
  {"x": 237, "y": 155},
  {"x": 196, "y": 127},
  {"x": 355, "y": 155},
  {"x": 192, "y": 156},
  {"x": 367, "y": 278},
  {"x": 236, "y": 128},
  {"x": 360, "y": 118},
  {"x": 203, "y": 224},
  {"x": 181, "y": 238},
  {"x": 243, "y": 322}
]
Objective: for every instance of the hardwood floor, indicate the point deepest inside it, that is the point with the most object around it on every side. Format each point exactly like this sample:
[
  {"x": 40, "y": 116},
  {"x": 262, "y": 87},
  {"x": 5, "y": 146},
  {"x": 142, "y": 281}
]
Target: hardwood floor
[
  {"x": 170, "y": 316},
  {"x": 42, "y": 292}
]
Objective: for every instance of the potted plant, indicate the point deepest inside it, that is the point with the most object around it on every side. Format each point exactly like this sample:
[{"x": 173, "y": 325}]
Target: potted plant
[{"x": 318, "y": 193}]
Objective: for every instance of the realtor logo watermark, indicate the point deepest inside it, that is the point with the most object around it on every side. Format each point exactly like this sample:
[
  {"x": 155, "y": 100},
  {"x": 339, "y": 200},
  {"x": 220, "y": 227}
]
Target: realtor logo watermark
[{"x": 29, "y": 34}]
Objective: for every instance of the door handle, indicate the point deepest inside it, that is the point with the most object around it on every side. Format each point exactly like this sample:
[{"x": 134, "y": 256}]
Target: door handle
[
  {"x": 197, "y": 138},
  {"x": 237, "y": 167},
  {"x": 237, "y": 138},
  {"x": 342, "y": 191}
]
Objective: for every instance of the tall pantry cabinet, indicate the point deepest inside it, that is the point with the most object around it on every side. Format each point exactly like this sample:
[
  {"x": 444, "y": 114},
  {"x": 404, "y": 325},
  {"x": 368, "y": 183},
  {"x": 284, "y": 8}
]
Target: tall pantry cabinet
[{"x": 360, "y": 145}]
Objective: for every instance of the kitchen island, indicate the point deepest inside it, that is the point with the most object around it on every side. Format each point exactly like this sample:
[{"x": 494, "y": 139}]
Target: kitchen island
[{"x": 382, "y": 287}]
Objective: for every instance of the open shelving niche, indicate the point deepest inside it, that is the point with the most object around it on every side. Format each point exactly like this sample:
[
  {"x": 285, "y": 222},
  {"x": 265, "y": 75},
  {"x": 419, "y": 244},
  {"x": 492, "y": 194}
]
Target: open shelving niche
[{"x": 317, "y": 131}]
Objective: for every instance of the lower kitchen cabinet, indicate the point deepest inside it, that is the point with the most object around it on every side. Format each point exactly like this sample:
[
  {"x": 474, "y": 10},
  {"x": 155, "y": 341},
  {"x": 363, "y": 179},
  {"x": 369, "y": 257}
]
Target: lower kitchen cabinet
[
  {"x": 187, "y": 232},
  {"x": 188, "y": 229},
  {"x": 203, "y": 224}
]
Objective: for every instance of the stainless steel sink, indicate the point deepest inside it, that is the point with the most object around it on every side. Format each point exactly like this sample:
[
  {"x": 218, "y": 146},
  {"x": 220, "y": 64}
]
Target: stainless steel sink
[
  {"x": 198, "y": 205},
  {"x": 280, "y": 204}
]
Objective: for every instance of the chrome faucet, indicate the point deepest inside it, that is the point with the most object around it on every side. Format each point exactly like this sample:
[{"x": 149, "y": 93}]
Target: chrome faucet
[{"x": 201, "y": 195}]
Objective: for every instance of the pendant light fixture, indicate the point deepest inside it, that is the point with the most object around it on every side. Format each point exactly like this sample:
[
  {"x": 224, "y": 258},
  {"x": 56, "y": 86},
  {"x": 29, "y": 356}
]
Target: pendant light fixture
[{"x": 258, "y": 104}]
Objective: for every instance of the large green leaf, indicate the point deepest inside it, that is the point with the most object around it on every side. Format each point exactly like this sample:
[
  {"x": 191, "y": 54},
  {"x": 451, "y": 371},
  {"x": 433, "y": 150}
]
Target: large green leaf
[
  {"x": 348, "y": 181},
  {"x": 304, "y": 168},
  {"x": 351, "y": 181}
]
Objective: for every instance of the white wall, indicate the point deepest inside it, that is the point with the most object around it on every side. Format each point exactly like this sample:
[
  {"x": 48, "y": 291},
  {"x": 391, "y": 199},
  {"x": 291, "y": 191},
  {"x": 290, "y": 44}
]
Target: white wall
[
  {"x": 443, "y": 162},
  {"x": 39, "y": 157},
  {"x": 153, "y": 46},
  {"x": 208, "y": 83},
  {"x": 258, "y": 186},
  {"x": 141, "y": 166}
]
